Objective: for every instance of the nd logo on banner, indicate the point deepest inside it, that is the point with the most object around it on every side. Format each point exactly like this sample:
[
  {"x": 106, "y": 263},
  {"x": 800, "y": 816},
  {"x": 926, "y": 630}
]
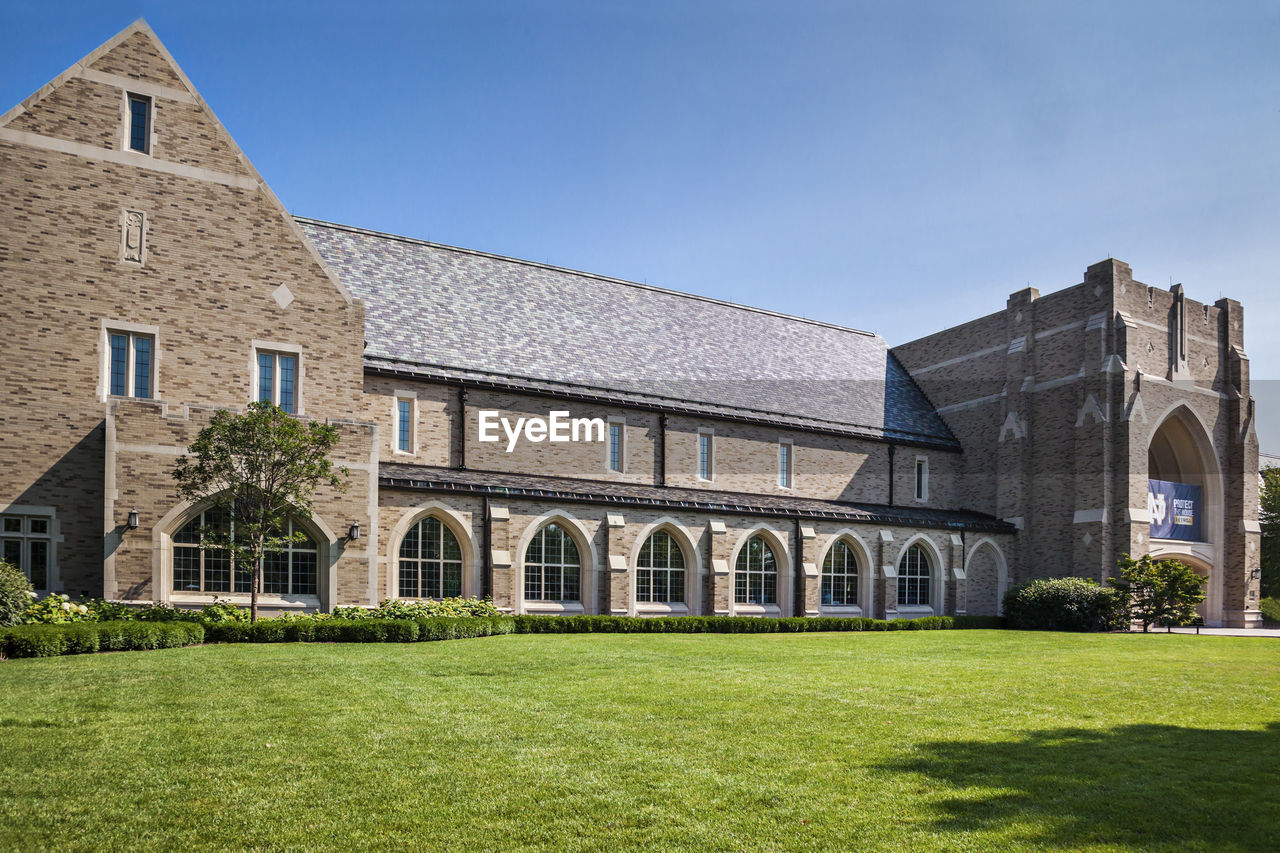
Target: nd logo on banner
[{"x": 1175, "y": 510}]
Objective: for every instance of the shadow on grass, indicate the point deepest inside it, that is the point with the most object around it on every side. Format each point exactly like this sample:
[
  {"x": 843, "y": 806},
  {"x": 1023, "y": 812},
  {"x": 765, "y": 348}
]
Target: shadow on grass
[{"x": 1140, "y": 785}]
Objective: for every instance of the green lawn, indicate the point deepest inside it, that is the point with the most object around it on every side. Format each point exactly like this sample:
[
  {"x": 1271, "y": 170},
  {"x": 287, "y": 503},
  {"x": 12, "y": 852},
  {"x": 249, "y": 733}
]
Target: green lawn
[{"x": 963, "y": 740}]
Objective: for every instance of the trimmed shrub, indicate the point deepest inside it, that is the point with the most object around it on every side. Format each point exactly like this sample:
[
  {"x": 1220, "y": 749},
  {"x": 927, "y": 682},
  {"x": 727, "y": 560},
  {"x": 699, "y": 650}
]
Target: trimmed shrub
[
  {"x": 15, "y": 594},
  {"x": 46, "y": 640},
  {"x": 977, "y": 621},
  {"x": 1270, "y": 608},
  {"x": 527, "y": 624},
  {"x": 1064, "y": 604},
  {"x": 395, "y": 608}
]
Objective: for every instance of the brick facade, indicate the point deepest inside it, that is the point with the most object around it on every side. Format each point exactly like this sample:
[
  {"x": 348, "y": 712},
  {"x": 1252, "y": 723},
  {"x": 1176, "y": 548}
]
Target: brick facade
[{"x": 186, "y": 246}]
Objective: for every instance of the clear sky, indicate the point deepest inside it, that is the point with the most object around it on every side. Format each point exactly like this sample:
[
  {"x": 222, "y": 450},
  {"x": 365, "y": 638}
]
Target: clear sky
[{"x": 890, "y": 166}]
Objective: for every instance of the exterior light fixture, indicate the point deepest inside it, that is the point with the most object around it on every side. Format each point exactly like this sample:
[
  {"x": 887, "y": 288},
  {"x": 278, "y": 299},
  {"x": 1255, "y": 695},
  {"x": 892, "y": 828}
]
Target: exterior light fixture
[
  {"x": 132, "y": 523},
  {"x": 1255, "y": 573},
  {"x": 353, "y": 532}
]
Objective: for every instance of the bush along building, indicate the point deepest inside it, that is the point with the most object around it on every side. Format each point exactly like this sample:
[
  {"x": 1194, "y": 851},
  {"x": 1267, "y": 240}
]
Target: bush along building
[{"x": 717, "y": 459}]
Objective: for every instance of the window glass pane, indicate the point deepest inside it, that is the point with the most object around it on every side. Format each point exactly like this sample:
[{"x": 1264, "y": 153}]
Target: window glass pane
[
  {"x": 275, "y": 572},
  {"x": 288, "y": 374},
  {"x": 408, "y": 577},
  {"x": 39, "y": 525},
  {"x": 142, "y": 367},
  {"x": 119, "y": 364},
  {"x": 452, "y": 580},
  {"x": 303, "y": 568},
  {"x": 12, "y": 524},
  {"x": 139, "y": 119},
  {"x": 39, "y": 563},
  {"x": 266, "y": 377},
  {"x": 615, "y": 447},
  {"x": 13, "y": 552},
  {"x": 405, "y": 408}
]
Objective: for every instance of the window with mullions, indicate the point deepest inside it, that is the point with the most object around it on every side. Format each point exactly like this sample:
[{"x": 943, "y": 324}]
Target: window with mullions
[
  {"x": 704, "y": 455},
  {"x": 131, "y": 365},
  {"x": 430, "y": 561},
  {"x": 552, "y": 568},
  {"x": 206, "y": 567},
  {"x": 140, "y": 123},
  {"x": 784, "y": 465},
  {"x": 840, "y": 576},
  {"x": 615, "y": 446},
  {"x": 914, "y": 573},
  {"x": 278, "y": 380},
  {"x": 404, "y": 426},
  {"x": 25, "y": 543},
  {"x": 660, "y": 570},
  {"x": 755, "y": 575}
]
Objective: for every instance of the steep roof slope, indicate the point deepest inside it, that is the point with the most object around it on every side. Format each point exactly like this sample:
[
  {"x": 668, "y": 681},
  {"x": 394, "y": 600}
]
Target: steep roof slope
[{"x": 479, "y": 314}]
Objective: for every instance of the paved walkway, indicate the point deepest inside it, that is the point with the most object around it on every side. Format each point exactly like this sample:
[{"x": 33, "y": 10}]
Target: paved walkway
[{"x": 1225, "y": 632}]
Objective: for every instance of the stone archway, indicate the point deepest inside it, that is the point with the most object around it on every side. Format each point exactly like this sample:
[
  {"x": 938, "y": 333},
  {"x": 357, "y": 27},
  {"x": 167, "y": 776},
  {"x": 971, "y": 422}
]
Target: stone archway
[
  {"x": 986, "y": 579},
  {"x": 1181, "y": 451}
]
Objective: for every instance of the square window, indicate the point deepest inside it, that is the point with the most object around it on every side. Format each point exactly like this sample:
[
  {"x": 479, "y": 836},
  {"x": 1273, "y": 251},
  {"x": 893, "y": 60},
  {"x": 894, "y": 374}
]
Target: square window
[
  {"x": 277, "y": 379},
  {"x": 131, "y": 365}
]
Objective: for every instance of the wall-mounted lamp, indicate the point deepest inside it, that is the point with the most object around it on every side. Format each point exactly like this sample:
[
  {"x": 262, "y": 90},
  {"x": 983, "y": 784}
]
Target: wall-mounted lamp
[
  {"x": 353, "y": 532},
  {"x": 1255, "y": 573},
  {"x": 132, "y": 523}
]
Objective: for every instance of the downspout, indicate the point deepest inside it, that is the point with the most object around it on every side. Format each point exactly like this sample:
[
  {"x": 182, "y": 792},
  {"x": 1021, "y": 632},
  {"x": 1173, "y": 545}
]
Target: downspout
[
  {"x": 797, "y": 605},
  {"x": 486, "y": 582},
  {"x": 662, "y": 449},
  {"x": 462, "y": 427},
  {"x": 892, "y": 449}
]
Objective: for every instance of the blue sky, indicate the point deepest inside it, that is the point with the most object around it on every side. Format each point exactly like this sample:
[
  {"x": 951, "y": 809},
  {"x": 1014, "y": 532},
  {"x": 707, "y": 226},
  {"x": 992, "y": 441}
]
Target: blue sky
[{"x": 897, "y": 167}]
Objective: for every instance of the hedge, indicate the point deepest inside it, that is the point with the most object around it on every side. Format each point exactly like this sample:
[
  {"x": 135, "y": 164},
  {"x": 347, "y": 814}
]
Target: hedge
[
  {"x": 737, "y": 624},
  {"x": 25, "y": 641},
  {"x": 1064, "y": 604},
  {"x": 365, "y": 630},
  {"x": 41, "y": 641}
]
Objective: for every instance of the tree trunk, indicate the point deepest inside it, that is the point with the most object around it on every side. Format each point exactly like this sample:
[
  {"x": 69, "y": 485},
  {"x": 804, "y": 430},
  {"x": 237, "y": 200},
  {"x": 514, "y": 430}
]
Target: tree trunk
[{"x": 253, "y": 589}]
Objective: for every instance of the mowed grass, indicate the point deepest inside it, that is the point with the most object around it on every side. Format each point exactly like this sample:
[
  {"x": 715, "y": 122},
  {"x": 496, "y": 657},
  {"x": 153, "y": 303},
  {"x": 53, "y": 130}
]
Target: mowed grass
[{"x": 958, "y": 740}]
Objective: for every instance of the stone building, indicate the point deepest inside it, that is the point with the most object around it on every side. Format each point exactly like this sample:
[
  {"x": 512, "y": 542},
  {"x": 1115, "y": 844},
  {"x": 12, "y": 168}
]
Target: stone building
[{"x": 729, "y": 459}]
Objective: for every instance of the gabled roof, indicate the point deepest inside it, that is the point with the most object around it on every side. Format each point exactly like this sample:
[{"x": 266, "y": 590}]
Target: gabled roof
[
  {"x": 534, "y": 487},
  {"x": 442, "y": 312}
]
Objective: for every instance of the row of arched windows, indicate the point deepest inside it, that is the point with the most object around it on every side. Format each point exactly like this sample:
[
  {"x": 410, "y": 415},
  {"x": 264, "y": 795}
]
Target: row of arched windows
[{"x": 430, "y": 566}]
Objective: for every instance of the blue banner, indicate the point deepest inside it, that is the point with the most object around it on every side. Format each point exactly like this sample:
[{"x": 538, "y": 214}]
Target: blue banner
[{"x": 1175, "y": 510}]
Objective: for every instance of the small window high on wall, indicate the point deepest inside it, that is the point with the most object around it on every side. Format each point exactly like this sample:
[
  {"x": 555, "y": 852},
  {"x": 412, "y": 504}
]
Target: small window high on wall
[{"x": 139, "y": 123}]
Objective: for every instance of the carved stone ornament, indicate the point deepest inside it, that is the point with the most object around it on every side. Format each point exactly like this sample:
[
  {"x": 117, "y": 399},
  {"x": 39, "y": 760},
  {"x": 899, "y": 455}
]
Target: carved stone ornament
[{"x": 131, "y": 249}]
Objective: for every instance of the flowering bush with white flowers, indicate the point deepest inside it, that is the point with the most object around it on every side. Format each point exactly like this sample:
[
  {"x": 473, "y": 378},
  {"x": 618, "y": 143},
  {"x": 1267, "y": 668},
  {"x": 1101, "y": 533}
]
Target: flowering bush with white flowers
[
  {"x": 15, "y": 594},
  {"x": 57, "y": 609}
]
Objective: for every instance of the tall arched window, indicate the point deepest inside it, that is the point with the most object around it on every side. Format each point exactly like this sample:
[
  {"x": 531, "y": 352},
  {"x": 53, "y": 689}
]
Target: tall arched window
[
  {"x": 430, "y": 561},
  {"x": 914, "y": 572},
  {"x": 552, "y": 568},
  {"x": 756, "y": 573},
  {"x": 660, "y": 570},
  {"x": 840, "y": 576},
  {"x": 205, "y": 567}
]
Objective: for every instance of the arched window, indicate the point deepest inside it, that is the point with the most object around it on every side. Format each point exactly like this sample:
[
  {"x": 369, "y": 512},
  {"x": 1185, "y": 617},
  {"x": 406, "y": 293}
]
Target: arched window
[
  {"x": 840, "y": 576},
  {"x": 756, "y": 573},
  {"x": 660, "y": 570},
  {"x": 206, "y": 567},
  {"x": 552, "y": 568},
  {"x": 913, "y": 577},
  {"x": 430, "y": 561}
]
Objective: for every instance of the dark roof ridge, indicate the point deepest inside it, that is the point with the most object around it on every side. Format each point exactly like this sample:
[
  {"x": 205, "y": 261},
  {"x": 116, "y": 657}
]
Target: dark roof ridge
[{"x": 571, "y": 271}]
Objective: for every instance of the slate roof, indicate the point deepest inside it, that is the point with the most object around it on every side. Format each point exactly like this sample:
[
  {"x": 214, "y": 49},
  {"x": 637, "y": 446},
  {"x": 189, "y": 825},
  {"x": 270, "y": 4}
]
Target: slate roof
[
  {"x": 442, "y": 312},
  {"x": 534, "y": 487}
]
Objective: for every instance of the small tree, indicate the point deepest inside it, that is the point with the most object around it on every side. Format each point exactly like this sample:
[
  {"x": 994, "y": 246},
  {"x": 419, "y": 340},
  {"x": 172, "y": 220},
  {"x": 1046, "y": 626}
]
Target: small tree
[
  {"x": 1163, "y": 592},
  {"x": 1269, "y": 518},
  {"x": 260, "y": 468}
]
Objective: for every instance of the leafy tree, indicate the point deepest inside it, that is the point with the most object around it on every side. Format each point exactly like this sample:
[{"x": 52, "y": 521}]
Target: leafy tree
[
  {"x": 260, "y": 468},
  {"x": 1163, "y": 592},
  {"x": 1269, "y": 518},
  {"x": 15, "y": 594}
]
